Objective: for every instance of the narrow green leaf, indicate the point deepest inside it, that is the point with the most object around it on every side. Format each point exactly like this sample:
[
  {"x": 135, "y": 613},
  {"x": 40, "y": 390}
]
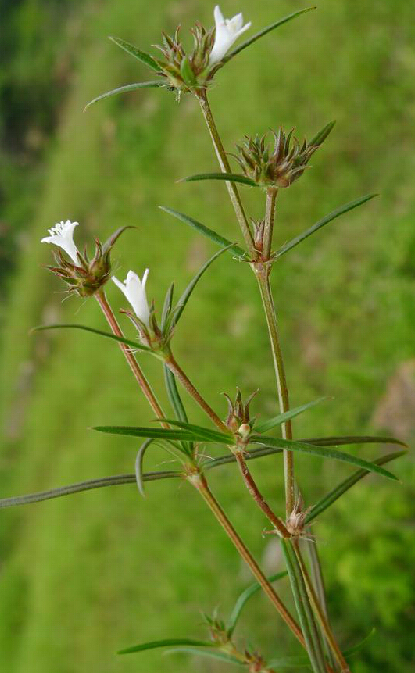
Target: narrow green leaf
[
  {"x": 293, "y": 661},
  {"x": 228, "y": 177},
  {"x": 123, "y": 89},
  {"x": 321, "y": 223},
  {"x": 128, "y": 342},
  {"x": 342, "y": 441},
  {"x": 344, "y": 486},
  {"x": 187, "y": 73},
  {"x": 304, "y": 610},
  {"x": 201, "y": 228},
  {"x": 256, "y": 37},
  {"x": 323, "y": 453},
  {"x": 188, "y": 291},
  {"x": 282, "y": 418},
  {"x": 212, "y": 653},
  {"x": 177, "y": 404},
  {"x": 167, "y": 306},
  {"x": 138, "y": 467},
  {"x": 154, "y": 433},
  {"x": 244, "y": 598},
  {"x": 321, "y": 136},
  {"x": 207, "y": 433},
  {"x": 115, "y": 480},
  {"x": 137, "y": 53},
  {"x": 166, "y": 642},
  {"x": 356, "y": 648}
]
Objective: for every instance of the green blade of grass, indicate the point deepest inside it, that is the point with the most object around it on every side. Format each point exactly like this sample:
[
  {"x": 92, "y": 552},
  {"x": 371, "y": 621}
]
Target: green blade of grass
[
  {"x": 137, "y": 53},
  {"x": 123, "y": 89},
  {"x": 228, "y": 177},
  {"x": 128, "y": 342},
  {"x": 344, "y": 486},
  {"x": 322, "y": 452},
  {"x": 202, "y": 229},
  {"x": 321, "y": 223},
  {"x": 166, "y": 642},
  {"x": 282, "y": 418}
]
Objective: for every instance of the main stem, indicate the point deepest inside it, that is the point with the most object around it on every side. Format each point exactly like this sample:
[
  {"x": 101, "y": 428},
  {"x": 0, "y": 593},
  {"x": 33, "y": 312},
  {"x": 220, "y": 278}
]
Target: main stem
[
  {"x": 225, "y": 168},
  {"x": 262, "y": 274},
  {"x": 136, "y": 370},
  {"x": 202, "y": 486}
]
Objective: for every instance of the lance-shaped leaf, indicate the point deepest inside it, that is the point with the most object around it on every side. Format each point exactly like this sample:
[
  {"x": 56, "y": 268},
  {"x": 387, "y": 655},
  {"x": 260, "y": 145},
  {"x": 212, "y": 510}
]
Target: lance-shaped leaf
[
  {"x": 155, "y": 84},
  {"x": 167, "y": 306},
  {"x": 213, "y": 653},
  {"x": 321, "y": 136},
  {"x": 350, "y": 439},
  {"x": 188, "y": 291},
  {"x": 344, "y": 486},
  {"x": 206, "y": 433},
  {"x": 257, "y": 36},
  {"x": 128, "y": 342},
  {"x": 137, "y": 53},
  {"x": 114, "y": 480},
  {"x": 201, "y": 228},
  {"x": 138, "y": 467},
  {"x": 253, "y": 588},
  {"x": 321, "y": 223},
  {"x": 166, "y": 642},
  {"x": 110, "y": 242},
  {"x": 250, "y": 455},
  {"x": 323, "y": 452},
  {"x": 227, "y": 177},
  {"x": 156, "y": 433},
  {"x": 286, "y": 416},
  {"x": 177, "y": 404}
]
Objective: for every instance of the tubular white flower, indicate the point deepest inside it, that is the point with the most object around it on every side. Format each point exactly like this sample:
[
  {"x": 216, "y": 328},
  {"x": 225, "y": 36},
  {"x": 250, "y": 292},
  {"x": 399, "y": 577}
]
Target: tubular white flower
[
  {"x": 134, "y": 290},
  {"x": 62, "y": 236},
  {"x": 227, "y": 31}
]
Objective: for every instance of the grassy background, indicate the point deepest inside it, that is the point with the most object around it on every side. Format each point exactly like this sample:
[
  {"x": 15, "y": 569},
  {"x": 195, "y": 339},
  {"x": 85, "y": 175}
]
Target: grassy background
[{"x": 81, "y": 577}]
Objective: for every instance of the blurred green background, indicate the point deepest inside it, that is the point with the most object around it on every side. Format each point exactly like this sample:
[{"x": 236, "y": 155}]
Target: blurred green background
[{"x": 81, "y": 577}]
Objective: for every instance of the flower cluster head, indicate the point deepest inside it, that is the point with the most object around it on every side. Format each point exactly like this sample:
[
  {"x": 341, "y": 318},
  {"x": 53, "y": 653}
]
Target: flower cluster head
[
  {"x": 238, "y": 414},
  {"x": 281, "y": 165},
  {"x": 83, "y": 276},
  {"x": 186, "y": 71}
]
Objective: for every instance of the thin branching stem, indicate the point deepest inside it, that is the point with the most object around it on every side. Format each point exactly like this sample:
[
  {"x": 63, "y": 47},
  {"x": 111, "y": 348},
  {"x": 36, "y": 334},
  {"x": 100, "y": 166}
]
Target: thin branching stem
[
  {"x": 175, "y": 368},
  {"x": 262, "y": 275},
  {"x": 201, "y": 485},
  {"x": 225, "y": 168},
  {"x": 257, "y": 495},
  {"x": 136, "y": 370},
  {"x": 319, "y": 611},
  {"x": 269, "y": 221}
]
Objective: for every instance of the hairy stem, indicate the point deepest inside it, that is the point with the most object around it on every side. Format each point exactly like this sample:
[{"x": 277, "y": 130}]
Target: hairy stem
[
  {"x": 319, "y": 611},
  {"x": 257, "y": 495},
  {"x": 225, "y": 168},
  {"x": 188, "y": 385},
  {"x": 262, "y": 275},
  {"x": 201, "y": 485},
  {"x": 269, "y": 221},
  {"x": 136, "y": 370}
]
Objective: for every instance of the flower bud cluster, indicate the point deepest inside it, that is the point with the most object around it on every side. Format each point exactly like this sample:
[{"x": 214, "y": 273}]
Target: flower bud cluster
[
  {"x": 188, "y": 71},
  {"x": 279, "y": 167},
  {"x": 238, "y": 414},
  {"x": 83, "y": 276}
]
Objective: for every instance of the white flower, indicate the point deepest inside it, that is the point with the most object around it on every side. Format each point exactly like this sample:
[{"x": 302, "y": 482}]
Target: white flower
[
  {"x": 62, "y": 236},
  {"x": 227, "y": 31},
  {"x": 135, "y": 291}
]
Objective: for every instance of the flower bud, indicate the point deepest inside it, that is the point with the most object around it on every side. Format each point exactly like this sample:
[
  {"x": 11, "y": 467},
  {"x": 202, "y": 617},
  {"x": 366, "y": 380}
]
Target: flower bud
[{"x": 81, "y": 275}]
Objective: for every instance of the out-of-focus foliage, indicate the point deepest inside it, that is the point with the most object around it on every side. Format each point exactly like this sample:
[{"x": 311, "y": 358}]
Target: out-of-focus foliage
[{"x": 85, "y": 576}]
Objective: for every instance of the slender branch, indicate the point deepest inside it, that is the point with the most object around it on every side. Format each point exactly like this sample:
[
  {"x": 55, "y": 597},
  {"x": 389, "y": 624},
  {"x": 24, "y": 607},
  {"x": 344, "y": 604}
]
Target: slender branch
[
  {"x": 319, "y": 612},
  {"x": 262, "y": 275},
  {"x": 225, "y": 168},
  {"x": 257, "y": 495},
  {"x": 136, "y": 370},
  {"x": 188, "y": 385},
  {"x": 201, "y": 485},
  {"x": 269, "y": 221}
]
